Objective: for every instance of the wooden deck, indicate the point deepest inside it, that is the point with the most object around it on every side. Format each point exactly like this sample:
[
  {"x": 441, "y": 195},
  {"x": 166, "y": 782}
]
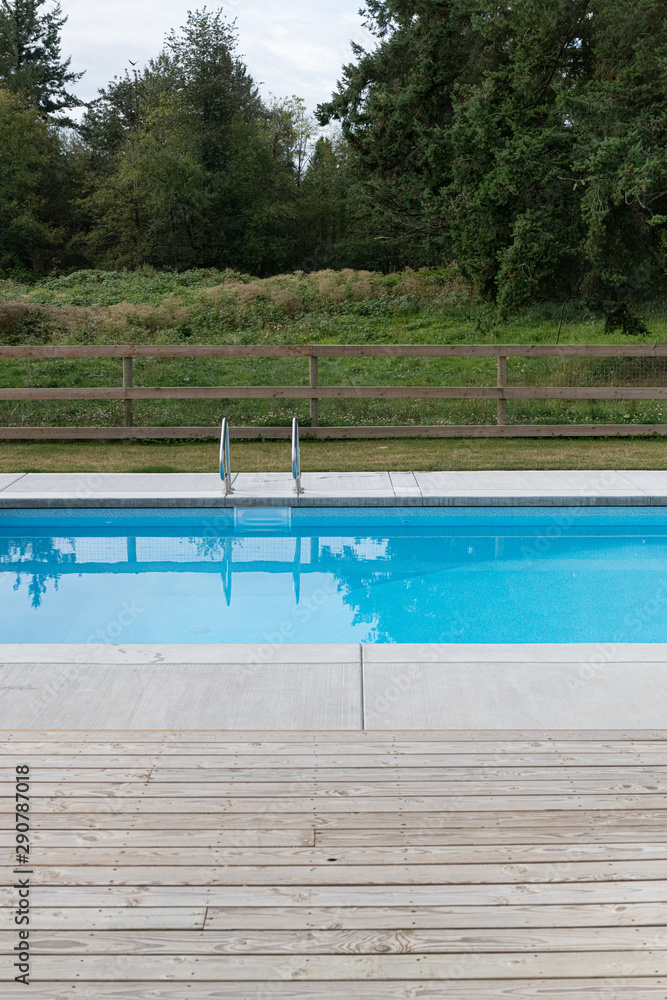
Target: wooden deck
[{"x": 340, "y": 866}]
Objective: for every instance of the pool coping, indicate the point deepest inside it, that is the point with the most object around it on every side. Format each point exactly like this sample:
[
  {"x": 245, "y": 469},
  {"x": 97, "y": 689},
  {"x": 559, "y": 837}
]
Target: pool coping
[{"x": 558, "y": 488}]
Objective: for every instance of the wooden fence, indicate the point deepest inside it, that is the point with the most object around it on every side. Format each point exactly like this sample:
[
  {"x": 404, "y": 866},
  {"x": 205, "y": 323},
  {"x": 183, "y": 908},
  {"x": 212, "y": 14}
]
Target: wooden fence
[{"x": 501, "y": 392}]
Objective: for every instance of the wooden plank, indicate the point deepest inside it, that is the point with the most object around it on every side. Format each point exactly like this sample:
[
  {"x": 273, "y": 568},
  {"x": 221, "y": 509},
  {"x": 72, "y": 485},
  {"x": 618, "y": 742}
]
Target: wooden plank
[
  {"x": 582, "y": 392},
  {"x": 265, "y": 778},
  {"x": 407, "y": 918},
  {"x": 239, "y": 968},
  {"x": 342, "y": 874},
  {"x": 164, "y": 836},
  {"x": 519, "y": 916},
  {"x": 641, "y": 988},
  {"x": 505, "y": 894},
  {"x": 495, "y": 843},
  {"x": 331, "y": 350},
  {"x": 126, "y": 851},
  {"x": 272, "y": 392},
  {"x": 493, "y": 835},
  {"x": 382, "y": 432},
  {"x": 93, "y": 776},
  {"x": 156, "y": 831},
  {"x": 553, "y": 785},
  {"x": 473, "y": 738},
  {"x": 26, "y": 433},
  {"x": 369, "y": 941},
  {"x": 328, "y": 791},
  {"x": 373, "y": 776},
  {"x": 83, "y": 769},
  {"x": 131, "y": 918},
  {"x": 280, "y": 766},
  {"x": 600, "y": 826},
  {"x": 324, "y": 806},
  {"x": 353, "y": 745},
  {"x": 333, "y": 392}
]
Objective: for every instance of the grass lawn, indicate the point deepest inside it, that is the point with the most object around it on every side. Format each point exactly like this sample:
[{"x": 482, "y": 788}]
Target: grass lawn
[
  {"x": 328, "y": 307},
  {"x": 338, "y": 456}
]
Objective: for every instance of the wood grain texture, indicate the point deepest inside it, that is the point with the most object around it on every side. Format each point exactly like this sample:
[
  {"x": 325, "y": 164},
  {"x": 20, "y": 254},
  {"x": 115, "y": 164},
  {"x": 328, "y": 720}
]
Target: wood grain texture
[
  {"x": 334, "y": 392},
  {"x": 334, "y": 351},
  {"x": 640, "y": 988},
  {"x": 123, "y": 850},
  {"x": 314, "y": 968},
  {"x": 305, "y": 866},
  {"x": 340, "y": 942},
  {"x": 571, "y": 894},
  {"x": 360, "y": 432},
  {"x": 347, "y": 875}
]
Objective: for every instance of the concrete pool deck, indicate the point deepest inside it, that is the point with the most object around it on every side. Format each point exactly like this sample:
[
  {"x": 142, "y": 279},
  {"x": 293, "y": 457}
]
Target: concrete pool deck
[
  {"x": 343, "y": 687},
  {"x": 329, "y": 489}
]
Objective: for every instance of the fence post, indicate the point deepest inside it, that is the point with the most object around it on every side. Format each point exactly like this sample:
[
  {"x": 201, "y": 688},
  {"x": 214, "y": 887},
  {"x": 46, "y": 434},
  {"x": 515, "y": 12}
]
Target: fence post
[
  {"x": 127, "y": 384},
  {"x": 502, "y": 382},
  {"x": 314, "y": 403}
]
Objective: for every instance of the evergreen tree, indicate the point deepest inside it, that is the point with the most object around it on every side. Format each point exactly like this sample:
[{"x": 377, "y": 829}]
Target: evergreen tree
[
  {"x": 28, "y": 237},
  {"x": 30, "y": 57},
  {"x": 527, "y": 139}
]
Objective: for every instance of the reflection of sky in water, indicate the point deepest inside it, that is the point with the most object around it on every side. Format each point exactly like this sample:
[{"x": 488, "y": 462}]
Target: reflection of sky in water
[{"x": 419, "y": 582}]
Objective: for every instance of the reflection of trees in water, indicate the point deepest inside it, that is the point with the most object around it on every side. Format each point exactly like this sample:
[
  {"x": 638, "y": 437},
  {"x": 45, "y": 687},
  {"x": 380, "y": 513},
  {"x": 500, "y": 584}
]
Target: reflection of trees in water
[
  {"x": 14, "y": 551},
  {"x": 361, "y": 565},
  {"x": 412, "y": 565},
  {"x": 210, "y": 548}
]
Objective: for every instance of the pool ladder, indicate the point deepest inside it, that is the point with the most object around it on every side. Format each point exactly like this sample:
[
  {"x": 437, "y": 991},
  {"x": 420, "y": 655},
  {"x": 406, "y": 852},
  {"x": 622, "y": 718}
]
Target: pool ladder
[{"x": 225, "y": 466}]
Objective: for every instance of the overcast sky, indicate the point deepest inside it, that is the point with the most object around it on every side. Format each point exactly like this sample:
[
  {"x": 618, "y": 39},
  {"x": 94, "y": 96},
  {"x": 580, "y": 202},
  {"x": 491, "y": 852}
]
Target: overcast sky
[{"x": 291, "y": 47}]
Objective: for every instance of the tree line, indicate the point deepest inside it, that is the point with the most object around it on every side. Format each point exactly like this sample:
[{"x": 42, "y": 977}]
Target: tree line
[{"x": 525, "y": 141}]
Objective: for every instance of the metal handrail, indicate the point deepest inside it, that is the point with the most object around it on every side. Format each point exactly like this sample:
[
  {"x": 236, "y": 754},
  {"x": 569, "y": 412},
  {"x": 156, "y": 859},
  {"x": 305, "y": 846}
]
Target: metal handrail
[
  {"x": 296, "y": 456},
  {"x": 225, "y": 468}
]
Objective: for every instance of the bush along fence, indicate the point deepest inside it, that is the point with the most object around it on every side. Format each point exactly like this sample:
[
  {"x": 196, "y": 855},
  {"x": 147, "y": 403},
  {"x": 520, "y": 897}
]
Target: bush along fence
[{"x": 644, "y": 366}]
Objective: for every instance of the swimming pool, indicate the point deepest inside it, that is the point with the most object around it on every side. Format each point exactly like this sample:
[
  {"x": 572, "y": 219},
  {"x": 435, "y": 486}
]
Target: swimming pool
[{"x": 385, "y": 575}]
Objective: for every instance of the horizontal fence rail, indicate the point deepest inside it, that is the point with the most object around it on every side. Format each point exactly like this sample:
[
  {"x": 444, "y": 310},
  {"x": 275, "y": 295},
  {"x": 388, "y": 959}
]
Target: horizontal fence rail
[{"x": 501, "y": 393}]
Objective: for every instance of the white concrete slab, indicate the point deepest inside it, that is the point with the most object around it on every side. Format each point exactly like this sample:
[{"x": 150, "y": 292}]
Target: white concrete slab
[
  {"x": 180, "y": 696},
  {"x": 405, "y": 485},
  {"x": 515, "y": 695},
  {"x": 405, "y": 687},
  {"x": 264, "y": 483},
  {"x": 437, "y": 489},
  {"x": 101, "y": 483},
  {"x": 653, "y": 481},
  {"x": 581, "y": 652},
  {"x": 7, "y": 478},
  {"x": 574, "y": 482},
  {"x": 234, "y": 653},
  {"x": 347, "y": 485}
]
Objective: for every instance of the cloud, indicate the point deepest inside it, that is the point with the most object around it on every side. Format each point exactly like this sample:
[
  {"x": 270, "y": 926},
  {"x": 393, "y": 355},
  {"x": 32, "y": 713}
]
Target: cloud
[{"x": 295, "y": 47}]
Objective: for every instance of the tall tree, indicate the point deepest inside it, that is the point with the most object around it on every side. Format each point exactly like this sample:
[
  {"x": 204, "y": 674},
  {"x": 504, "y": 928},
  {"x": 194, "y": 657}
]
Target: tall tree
[
  {"x": 28, "y": 237},
  {"x": 528, "y": 136},
  {"x": 31, "y": 61},
  {"x": 180, "y": 154}
]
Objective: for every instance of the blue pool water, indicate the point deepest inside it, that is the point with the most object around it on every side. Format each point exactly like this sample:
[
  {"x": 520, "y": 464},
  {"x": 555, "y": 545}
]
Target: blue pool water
[{"x": 479, "y": 575}]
